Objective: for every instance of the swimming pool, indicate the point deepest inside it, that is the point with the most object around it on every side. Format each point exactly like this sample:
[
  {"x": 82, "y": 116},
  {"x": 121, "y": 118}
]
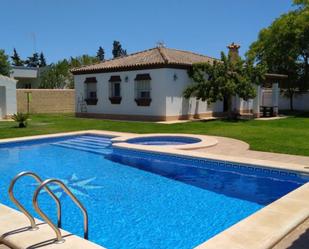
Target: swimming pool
[
  {"x": 138, "y": 199},
  {"x": 164, "y": 140}
]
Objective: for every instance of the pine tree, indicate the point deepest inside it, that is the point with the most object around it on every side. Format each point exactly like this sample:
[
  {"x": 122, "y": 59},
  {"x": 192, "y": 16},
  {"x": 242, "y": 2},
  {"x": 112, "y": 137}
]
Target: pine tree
[
  {"x": 42, "y": 60},
  {"x": 16, "y": 59},
  {"x": 5, "y": 67},
  {"x": 118, "y": 50},
  {"x": 100, "y": 54},
  {"x": 33, "y": 61}
]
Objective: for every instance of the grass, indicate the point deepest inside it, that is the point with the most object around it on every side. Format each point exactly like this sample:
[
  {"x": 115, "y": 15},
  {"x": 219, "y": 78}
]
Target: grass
[{"x": 290, "y": 135}]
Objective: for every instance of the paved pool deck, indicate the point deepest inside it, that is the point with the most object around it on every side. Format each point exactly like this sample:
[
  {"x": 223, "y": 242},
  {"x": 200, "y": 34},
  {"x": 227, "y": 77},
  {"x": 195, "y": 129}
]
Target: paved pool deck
[
  {"x": 299, "y": 237},
  {"x": 233, "y": 147}
]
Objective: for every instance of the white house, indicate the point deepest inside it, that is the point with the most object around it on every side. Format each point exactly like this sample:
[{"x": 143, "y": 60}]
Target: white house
[
  {"x": 147, "y": 85},
  {"x": 7, "y": 96}
]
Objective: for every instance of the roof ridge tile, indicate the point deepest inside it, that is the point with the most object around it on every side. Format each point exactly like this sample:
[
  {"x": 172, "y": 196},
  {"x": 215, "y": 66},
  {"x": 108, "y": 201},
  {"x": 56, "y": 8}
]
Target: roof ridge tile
[
  {"x": 157, "y": 56},
  {"x": 164, "y": 57}
]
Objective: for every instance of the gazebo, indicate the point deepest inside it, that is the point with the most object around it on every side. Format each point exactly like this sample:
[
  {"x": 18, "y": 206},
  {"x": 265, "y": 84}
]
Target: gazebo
[
  {"x": 267, "y": 100},
  {"x": 7, "y": 97}
]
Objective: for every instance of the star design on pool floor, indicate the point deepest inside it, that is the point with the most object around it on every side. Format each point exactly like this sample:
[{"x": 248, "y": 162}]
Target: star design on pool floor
[{"x": 78, "y": 186}]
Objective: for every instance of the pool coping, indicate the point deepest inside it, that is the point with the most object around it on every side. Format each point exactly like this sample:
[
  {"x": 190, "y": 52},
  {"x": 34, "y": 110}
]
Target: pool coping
[
  {"x": 261, "y": 230},
  {"x": 15, "y": 233}
]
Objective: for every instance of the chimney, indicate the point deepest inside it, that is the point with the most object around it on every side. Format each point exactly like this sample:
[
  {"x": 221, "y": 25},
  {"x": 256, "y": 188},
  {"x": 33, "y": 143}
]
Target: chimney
[{"x": 233, "y": 51}]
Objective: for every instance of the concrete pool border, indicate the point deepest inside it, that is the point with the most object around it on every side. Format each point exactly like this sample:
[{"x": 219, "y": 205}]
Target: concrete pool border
[{"x": 261, "y": 230}]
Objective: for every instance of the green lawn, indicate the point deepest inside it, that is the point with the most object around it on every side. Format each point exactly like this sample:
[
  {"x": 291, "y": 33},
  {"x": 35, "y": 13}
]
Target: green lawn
[{"x": 290, "y": 135}]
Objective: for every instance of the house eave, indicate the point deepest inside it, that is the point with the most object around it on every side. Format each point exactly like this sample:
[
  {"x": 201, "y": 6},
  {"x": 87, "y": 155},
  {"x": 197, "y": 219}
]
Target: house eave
[{"x": 130, "y": 68}]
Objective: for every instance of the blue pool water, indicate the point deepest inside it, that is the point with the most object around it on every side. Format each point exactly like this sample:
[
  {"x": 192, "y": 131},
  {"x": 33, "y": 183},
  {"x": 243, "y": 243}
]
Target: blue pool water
[
  {"x": 164, "y": 140},
  {"x": 139, "y": 200}
]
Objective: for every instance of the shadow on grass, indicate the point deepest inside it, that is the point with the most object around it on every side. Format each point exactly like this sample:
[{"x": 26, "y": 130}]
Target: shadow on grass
[
  {"x": 297, "y": 114},
  {"x": 234, "y": 120}
]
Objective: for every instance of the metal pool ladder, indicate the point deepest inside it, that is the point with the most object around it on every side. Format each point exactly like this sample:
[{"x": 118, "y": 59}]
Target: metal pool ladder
[
  {"x": 59, "y": 238},
  {"x": 45, "y": 217},
  {"x": 22, "y": 208}
]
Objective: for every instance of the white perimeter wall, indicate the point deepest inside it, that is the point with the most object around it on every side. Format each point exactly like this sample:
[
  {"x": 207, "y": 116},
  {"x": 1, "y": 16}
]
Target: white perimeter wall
[
  {"x": 301, "y": 102},
  {"x": 166, "y": 94}
]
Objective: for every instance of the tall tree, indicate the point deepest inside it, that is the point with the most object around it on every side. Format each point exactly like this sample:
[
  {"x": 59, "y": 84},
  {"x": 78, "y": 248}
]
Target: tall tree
[
  {"x": 17, "y": 61},
  {"x": 56, "y": 76},
  {"x": 42, "y": 60},
  {"x": 5, "y": 66},
  {"x": 301, "y": 3},
  {"x": 223, "y": 80},
  {"x": 100, "y": 54},
  {"x": 33, "y": 61},
  {"x": 118, "y": 50},
  {"x": 284, "y": 48}
]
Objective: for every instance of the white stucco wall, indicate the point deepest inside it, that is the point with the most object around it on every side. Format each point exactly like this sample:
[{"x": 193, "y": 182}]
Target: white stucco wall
[
  {"x": 127, "y": 105},
  {"x": 176, "y": 105},
  {"x": 7, "y": 96},
  {"x": 300, "y": 102},
  {"x": 166, "y": 94}
]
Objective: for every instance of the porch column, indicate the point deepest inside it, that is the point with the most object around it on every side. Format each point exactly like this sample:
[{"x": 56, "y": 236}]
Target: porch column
[
  {"x": 275, "y": 98},
  {"x": 256, "y": 102}
]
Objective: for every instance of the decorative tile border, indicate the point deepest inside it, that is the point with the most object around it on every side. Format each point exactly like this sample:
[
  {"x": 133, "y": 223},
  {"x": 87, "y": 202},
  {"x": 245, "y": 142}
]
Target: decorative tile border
[{"x": 216, "y": 164}]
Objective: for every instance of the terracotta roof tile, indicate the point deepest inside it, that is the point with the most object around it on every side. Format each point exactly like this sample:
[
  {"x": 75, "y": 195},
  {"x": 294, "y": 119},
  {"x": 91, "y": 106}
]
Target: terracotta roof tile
[{"x": 152, "y": 58}]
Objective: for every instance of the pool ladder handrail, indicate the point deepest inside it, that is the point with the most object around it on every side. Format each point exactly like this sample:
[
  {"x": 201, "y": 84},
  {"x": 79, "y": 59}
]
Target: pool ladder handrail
[
  {"x": 22, "y": 208},
  {"x": 48, "y": 220}
]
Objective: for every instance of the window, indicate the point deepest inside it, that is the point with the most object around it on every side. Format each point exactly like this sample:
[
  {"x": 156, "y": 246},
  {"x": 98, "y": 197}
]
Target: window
[
  {"x": 115, "y": 89},
  {"x": 142, "y": 92},
  {"x": 91, "y": 91},
  {"x": 92, "y": 95},
  {"x": 143, "y": 89}
]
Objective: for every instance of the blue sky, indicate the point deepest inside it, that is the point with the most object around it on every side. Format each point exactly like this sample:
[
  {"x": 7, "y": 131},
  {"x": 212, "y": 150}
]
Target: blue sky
[{"x": 65, "y": 28}]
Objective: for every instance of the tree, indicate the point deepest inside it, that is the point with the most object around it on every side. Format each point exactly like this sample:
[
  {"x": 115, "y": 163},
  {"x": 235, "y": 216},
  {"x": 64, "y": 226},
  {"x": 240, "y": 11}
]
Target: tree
[
  {"x": 284, "y": 48},
  {"x": 58, "y": 75},
  {"x": 42, "y": 60},
  {"x": 301, "y": 3},
  {"x": 118, "y": 51},
  {"x": 33, "y": 61},
  {"x": 100, "y": 54},
  {"x": 16, "y": 59},
  {"x": 5, "y": 67},
  {"x": 223, "y": 80}
]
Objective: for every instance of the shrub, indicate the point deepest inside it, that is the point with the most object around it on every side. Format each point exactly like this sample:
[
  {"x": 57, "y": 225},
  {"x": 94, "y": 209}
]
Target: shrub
[{"x": 21, "y": 119}]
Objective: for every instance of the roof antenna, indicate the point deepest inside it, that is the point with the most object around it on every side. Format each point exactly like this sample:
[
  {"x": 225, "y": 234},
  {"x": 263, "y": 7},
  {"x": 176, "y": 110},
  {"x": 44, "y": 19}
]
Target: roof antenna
[
  {"x": 33, "y": 36},
  {"x": 160, "y": 44}
]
